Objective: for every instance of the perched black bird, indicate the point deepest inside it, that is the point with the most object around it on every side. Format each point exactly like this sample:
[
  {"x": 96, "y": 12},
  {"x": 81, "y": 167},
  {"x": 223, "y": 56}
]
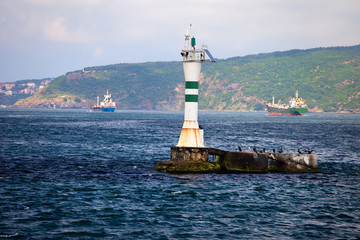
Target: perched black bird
[
  {"x": 309, "y": 151},
  {"x": 299, "y": 151},
  {"x": 255, "y": 150},
  {"x": 274, "y": 150},
  {"x": 281, "y": 150},
  {"x": 264, "y": 150},
  {"x": 240, "y": 150}
]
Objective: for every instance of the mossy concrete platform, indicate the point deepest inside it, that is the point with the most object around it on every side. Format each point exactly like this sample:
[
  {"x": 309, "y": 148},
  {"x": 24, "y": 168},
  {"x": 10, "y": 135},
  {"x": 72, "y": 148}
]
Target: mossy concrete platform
[
  {"x": 188, "y": 167},
  {"x": 245, "y": 162},
  {"x": 293, "y": 163},
  {"x": 189, "y": 160},
  {"x": 211, "y": 160},
  {"x": 191, "y": 154}
]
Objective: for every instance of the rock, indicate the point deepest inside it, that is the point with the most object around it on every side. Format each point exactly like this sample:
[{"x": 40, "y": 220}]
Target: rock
[
  {"x": 59, "y": 102},
  {"x": 293, "y": 163}
]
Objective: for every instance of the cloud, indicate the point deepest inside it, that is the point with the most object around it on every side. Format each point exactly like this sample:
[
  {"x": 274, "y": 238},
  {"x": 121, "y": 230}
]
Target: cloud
[
  {"x": 56, "y": 30},
  {"x": 98, "y": 52},
  {"x": 112, "y": 31}
]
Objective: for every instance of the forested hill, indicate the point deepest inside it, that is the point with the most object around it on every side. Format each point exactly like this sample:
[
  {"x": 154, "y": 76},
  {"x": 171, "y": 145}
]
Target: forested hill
[{"x": 327, "y": 78}]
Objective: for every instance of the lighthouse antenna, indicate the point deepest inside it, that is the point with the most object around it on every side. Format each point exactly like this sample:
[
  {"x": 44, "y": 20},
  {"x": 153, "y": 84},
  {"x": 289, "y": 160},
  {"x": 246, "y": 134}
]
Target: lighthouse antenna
[
  {"x": 187, "y": 37},
  {"x": 190, "y": 29}
]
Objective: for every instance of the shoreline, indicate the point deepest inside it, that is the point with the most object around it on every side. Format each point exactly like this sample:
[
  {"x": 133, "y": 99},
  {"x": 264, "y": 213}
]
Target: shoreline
[{"x": 202, "y": 110}]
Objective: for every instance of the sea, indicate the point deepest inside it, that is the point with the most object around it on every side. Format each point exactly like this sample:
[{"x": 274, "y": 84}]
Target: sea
[{"x": 77, "y": 174}]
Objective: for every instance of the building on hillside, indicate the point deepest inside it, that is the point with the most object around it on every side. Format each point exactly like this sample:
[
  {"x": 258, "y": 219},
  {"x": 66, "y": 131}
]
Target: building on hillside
[{"x": 31, "y": 85}]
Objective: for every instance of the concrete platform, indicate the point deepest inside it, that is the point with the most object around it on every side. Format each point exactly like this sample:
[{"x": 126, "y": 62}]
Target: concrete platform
[
  {"x": 211, "y": 160},
  {"x": 245, "y": 162},
  {"x": 189, "y": 160},
  {"x": 293, "y": 163}
]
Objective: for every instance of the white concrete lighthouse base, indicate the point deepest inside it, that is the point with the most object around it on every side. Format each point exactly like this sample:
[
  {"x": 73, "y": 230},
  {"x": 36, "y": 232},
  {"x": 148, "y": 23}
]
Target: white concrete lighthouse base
[{"x": 191, "y": 136}]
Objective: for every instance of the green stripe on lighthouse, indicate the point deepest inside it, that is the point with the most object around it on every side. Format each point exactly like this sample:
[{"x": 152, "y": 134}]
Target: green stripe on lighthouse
[
  {"x": 191, "y": 85},
  {"x": 191, "y": 98}
]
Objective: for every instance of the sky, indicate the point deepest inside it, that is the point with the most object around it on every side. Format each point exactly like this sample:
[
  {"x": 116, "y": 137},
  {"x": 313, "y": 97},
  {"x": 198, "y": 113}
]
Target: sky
[{"x": 47, "y": 38}]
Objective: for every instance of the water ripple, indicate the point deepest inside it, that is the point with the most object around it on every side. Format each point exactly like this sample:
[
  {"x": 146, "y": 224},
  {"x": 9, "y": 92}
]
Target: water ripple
[{"x": 76, "y": 174}]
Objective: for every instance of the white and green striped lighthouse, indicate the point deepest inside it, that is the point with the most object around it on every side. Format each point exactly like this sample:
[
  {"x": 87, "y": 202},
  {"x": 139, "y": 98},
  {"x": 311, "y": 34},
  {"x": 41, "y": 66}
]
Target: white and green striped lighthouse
[{"x": 191, "y": 135}]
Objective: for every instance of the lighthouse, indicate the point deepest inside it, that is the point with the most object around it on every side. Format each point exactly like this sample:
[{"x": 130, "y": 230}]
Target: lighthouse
[
  {"x": 191, "y": 135},
  {"x": 190, "y": 154}
]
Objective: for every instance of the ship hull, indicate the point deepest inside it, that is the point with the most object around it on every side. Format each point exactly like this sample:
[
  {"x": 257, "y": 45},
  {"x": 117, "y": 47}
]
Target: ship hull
[
  {"x": 287, "y": 111},
  {"x": 107, "y": 109}
]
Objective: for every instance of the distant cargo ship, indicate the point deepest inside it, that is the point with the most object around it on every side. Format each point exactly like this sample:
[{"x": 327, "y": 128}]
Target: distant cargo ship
[
  {"x": 296, "y": 106},
  {"x": 107, "y": 105}
]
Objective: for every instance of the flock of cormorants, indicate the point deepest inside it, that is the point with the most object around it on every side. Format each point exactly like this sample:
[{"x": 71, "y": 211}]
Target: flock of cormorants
[{"x": 308, "y": 151}]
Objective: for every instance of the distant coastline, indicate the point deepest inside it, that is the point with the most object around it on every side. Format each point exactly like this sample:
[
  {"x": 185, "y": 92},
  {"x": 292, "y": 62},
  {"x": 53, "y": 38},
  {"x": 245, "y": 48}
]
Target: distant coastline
[
  {"x": 327, "y": 78},
  {"x": 200, "y": 110}
]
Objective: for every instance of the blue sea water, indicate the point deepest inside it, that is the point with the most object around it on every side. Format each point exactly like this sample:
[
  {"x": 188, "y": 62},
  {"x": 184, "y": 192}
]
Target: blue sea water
[{"x": 69, "y": 174}]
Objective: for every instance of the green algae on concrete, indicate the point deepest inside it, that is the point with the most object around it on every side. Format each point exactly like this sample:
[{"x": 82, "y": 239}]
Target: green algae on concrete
[
  {"x": 188, "y": 167},
  {"x": 189, "y": 160}
]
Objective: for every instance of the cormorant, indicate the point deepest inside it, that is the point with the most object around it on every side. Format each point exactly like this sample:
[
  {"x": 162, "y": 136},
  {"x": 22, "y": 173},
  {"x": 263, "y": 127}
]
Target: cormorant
[
  {"x": 281, "y": 150},
  {"x": 240, "y": 150},
  {"x": 299, "y": 151},
  {"x": 309, "y": 151},
  {"x": 255, "y": 150}
]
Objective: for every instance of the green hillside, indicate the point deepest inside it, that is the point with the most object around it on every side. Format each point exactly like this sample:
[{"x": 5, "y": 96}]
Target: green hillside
[{"x": 327, "y": 78}]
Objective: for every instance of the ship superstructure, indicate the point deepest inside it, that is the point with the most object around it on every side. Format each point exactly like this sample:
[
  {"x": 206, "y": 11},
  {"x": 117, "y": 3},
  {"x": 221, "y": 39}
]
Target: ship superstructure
[{"x": 106, "y": 105}]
